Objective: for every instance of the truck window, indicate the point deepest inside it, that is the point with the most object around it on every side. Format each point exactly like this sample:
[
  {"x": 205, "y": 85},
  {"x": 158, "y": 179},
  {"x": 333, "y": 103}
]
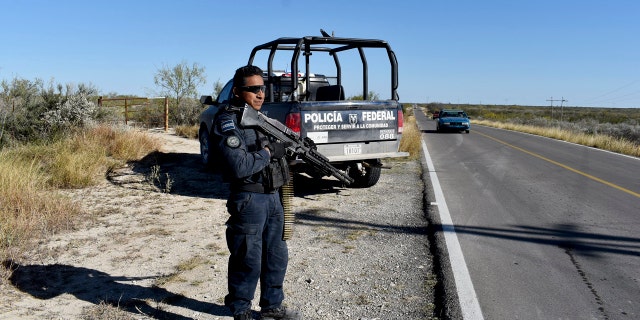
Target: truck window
[{"x": 225, "y": 93}]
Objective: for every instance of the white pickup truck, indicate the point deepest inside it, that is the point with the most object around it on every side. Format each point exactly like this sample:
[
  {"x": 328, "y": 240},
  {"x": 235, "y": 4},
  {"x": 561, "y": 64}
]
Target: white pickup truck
[{"x": 355, "y": 135}]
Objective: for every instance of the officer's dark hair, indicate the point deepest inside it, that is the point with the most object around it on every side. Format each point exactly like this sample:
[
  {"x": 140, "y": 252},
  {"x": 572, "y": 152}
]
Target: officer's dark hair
[{"x": 243, "y": 72}]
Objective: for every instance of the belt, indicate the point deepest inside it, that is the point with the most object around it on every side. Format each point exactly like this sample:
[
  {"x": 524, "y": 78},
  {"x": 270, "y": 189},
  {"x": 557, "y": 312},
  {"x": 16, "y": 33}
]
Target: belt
[{"x": 251, "y": 187}]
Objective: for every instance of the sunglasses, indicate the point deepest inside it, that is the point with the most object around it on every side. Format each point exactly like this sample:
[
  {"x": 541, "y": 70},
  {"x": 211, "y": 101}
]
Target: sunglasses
[{"x": 254, "y": 89}]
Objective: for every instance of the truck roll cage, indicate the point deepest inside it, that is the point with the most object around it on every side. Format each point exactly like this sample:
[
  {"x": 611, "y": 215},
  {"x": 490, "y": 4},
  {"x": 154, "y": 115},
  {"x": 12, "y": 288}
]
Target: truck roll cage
[{"x": 332, "y": 46}]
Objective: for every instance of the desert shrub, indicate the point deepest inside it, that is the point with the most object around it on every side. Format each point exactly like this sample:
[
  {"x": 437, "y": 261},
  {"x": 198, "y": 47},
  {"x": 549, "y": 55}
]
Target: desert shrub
[
  {"x": 32, "y": 112},
  {"x": 187, "y": 113},
  {"x": 151, "y": 115},
  {"x": 20, "y": 100},
  {"x": 73, "y": 110},
  {"x": 4, "y": 113}
]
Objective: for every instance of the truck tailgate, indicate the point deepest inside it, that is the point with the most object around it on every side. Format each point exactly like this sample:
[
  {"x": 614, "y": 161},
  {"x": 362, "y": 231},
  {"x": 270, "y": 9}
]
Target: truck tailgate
[{"x": 349, "y": 121}]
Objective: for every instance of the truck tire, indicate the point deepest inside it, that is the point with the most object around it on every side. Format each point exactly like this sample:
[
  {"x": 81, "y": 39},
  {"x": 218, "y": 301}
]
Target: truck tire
[{"x": 370, "y": 177}]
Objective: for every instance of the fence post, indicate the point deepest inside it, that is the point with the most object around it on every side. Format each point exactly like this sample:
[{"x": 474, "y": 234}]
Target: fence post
[
  {"x": 166, "y": 114},
  {"x": 126, "y": 112}
]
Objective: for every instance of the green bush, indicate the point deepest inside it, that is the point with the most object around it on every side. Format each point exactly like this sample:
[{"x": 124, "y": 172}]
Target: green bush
[
  {"x": 31, "y": 111},
  {"x": 187, "y": 113}
]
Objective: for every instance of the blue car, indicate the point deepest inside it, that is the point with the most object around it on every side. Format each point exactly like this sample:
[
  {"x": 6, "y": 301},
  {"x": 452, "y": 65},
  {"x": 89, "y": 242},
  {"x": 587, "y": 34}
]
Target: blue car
[{"x": 453, "y": 120}]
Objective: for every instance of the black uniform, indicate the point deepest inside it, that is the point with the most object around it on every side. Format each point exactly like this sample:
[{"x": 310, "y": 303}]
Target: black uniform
[{"x": 255, "y": 225}]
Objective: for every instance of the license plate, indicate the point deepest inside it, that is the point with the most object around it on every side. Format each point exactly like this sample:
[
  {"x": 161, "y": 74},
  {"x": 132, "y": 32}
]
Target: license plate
[{"x": 351, "y": 149}]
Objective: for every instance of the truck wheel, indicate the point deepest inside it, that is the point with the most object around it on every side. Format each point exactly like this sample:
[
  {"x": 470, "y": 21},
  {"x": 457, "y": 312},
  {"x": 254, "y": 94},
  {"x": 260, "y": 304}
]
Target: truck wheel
[
  {"x": 369, "y": 178},
  {"x": 205, "y": 147}
]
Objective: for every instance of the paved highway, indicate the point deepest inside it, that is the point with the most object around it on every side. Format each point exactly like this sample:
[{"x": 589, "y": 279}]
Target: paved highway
[{"x": 548, "y": 229}]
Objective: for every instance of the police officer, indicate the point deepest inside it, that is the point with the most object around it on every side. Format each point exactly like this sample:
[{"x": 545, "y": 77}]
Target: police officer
[{"x": 255, "y": 168}]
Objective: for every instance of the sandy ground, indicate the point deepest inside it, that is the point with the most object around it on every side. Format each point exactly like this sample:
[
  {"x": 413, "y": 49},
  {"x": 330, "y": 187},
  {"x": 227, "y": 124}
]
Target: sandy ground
[
  {"x": 144, "y": 249},
  {"x": 153, "y": 246}
]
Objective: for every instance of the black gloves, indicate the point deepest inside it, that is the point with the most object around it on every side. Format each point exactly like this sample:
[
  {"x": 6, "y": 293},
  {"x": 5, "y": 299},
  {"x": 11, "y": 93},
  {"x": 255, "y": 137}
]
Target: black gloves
[
  {"x": 278, "y": 149},
  {"x": 264, "y": 142}
]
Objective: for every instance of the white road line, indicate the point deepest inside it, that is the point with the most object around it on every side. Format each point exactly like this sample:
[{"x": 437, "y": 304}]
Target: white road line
[{"x": 466, "y": 294}]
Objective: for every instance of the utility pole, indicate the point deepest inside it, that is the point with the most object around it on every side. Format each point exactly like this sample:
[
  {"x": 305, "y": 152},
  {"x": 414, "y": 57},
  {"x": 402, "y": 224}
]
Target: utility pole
[
  {"x": 552, "y": 100},
  {"x": 562, "y": 101}
]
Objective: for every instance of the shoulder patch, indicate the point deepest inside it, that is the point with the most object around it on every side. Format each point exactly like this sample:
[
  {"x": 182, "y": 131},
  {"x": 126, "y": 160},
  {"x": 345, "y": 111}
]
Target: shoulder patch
[
  {"x": 227, "y": 125},
  {"x": 233, "y": 141}
]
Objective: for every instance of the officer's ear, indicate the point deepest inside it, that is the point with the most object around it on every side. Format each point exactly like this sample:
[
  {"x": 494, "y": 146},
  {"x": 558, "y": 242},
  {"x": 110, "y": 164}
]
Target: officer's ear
[{"x": 235, "y": 91}]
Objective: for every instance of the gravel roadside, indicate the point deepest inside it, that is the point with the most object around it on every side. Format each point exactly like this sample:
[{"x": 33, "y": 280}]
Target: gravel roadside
[{"x": 364, "y": 253}]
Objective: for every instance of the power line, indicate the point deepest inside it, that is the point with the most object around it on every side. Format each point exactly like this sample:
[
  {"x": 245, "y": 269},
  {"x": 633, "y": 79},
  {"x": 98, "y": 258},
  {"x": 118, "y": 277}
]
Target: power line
[
  {"x": 601, "y": 96},
  {"x": 562, "y": 101},
  {"x": 626, "y": 92}
]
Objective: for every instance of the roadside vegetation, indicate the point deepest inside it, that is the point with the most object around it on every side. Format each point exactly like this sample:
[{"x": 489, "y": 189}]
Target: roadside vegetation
[
  {"x": 411, "y": 136},
  {"x": 188, "y": 131},
  {"x": 612, "y": 129},
  {"x": 51, "y": 138},
  {"x": 30, "y": 209}
]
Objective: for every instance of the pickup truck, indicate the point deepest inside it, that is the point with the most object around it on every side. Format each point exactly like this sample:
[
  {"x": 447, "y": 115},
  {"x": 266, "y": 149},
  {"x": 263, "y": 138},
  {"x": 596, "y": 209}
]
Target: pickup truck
[{"x": 355, "y": 135}]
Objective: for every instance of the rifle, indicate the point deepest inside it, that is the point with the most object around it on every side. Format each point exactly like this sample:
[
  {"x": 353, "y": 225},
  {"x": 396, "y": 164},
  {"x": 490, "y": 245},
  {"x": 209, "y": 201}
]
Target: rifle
[{"x": 305, "y": 148}]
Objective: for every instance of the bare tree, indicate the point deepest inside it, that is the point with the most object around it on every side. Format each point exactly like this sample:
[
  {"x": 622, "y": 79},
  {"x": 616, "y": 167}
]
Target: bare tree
[
  {"x": 217, "y": 88},
  {"x": 180, "y": 81}
]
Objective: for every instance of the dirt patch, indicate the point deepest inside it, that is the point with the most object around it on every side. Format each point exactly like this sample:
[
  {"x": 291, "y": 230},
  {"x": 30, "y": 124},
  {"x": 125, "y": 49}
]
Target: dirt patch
[{"x": 153, "y": 242}]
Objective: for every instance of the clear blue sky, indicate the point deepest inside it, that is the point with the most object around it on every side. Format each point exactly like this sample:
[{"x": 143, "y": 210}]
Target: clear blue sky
[{"x": 490, "y": 52}]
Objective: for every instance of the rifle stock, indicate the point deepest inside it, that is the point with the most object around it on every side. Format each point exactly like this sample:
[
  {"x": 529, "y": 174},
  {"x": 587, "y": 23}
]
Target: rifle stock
[{"x": 301, "y": 147}]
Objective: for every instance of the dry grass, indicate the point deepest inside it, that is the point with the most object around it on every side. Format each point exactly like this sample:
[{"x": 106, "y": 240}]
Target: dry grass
[
  {"x": 411, "y": 136},
  {"x": 599, "y": 141},
  {"x": 192, "y": 263},
  {"x": 106, "y": 311},
  {"x": 190, "y": 132},
  {"x": 169, "y": 278},
  {"x": 30, "y": 208},
  {"x": 182, "y": 267},
  {"x": 27, "y": 207}
]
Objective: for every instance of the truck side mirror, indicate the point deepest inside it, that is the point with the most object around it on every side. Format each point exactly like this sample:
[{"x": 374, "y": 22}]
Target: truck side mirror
[{"x": 207, "y": 100}]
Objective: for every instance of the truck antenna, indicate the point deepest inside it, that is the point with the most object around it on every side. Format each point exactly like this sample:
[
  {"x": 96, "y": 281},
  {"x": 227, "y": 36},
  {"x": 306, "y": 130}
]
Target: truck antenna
[{"x": 325, "y": 34}]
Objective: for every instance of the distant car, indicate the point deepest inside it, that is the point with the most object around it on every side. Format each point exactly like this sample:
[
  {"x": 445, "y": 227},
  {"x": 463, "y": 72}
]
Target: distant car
[
  {"x": 453, "y": 120},
  {"x": 435, "y": 115}
]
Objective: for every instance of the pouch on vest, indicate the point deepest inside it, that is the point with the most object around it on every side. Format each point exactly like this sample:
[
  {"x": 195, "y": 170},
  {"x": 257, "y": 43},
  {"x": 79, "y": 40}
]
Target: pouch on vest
[{"x": 276, "y": 174}]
